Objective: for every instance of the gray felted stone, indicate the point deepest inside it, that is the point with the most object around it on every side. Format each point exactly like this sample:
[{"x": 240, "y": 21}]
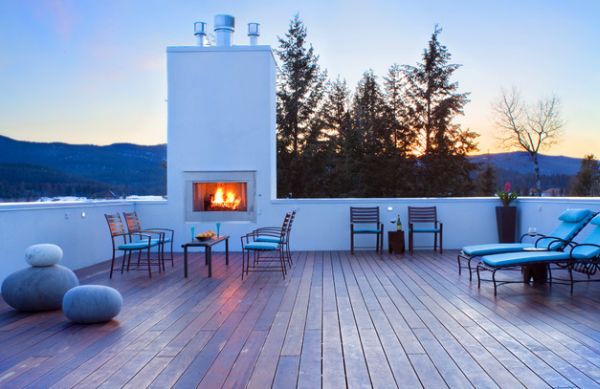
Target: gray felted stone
[
  {"x": 92, "y": 304},
  {"x": 38, "y": 288},
  {"x": 45, "y": 254}
]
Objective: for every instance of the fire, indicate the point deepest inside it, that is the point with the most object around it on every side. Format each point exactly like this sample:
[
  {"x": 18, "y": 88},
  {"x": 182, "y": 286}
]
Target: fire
[{"x": 226, "y": 200}]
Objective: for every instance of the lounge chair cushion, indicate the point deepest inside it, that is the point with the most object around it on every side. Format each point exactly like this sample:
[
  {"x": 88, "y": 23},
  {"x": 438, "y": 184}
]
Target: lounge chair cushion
[
  {"x": 426, "y": 230},
  {"x": 488, "y": 249},
  {"x": 269, "y": 239},
  {"x": 523, "y": 258},
  {"x": 366, "y": 231},
  {"x": 261, "y": 246},
  {"x": 575, "y": 215},
  {"x": 596, "y": 220}
]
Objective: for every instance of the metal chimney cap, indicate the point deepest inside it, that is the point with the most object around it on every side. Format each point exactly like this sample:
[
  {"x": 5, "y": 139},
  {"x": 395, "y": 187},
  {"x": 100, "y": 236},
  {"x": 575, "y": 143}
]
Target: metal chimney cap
[
  {"x": 199, "y": 28},
  {"x": 253, "y": 29},
  {"x": 224, "y": 22}
]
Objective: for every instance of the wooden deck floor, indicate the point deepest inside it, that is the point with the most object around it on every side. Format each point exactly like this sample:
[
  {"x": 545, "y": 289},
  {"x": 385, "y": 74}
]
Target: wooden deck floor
[{"x": 337, "y": 320}]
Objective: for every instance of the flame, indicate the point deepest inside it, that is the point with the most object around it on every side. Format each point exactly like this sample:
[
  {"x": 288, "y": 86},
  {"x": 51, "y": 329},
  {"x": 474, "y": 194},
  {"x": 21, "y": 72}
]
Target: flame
[{"x": 222, "y": 199}]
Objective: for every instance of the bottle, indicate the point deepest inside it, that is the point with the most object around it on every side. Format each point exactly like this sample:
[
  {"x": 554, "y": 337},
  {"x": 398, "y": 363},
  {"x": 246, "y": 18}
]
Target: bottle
[
  {"x": 398, "y": 224},
  {"x": 193, "y": 231}
]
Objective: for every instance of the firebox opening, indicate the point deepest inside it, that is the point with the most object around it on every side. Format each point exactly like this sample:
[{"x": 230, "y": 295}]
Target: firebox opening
[{"x": 220, "y": 196}]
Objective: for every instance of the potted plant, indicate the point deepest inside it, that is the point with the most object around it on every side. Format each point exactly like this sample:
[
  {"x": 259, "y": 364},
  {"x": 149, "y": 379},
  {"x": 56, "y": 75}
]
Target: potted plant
[{"x": 506, "y": 216}]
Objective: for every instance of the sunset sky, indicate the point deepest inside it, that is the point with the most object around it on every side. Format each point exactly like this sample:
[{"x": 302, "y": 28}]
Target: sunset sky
[{"x": 94, "y": 71}]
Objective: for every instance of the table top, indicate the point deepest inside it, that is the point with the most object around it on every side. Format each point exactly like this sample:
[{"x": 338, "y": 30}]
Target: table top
[{"x": 206, "y": 243}]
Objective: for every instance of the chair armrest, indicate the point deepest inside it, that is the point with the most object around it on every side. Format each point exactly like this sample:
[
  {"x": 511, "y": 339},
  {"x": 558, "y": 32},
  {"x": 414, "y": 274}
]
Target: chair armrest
[
  {"x": 159, "y": 229},
  {"x": 581, "y": 245},
  {"x": 554, "y": 239}
]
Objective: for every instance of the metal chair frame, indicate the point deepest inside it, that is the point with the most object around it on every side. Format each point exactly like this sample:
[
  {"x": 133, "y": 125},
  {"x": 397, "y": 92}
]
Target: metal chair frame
[
  {"x": 117, "y": 230},
  {"x": 133, "y": 223},
  {"x": 424, "y": 215},
  {"x": 366, "y": 215}
]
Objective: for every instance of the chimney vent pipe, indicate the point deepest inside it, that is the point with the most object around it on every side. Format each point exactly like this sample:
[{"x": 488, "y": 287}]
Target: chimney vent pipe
[
  {"x": 200, "y": 32},
  {"x": 253, "y": 33},
  {"x": 224, "y": 27}
]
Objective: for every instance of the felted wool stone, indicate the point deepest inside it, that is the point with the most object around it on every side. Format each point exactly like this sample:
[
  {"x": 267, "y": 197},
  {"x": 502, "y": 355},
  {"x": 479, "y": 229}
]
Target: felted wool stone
[
  {"x": 45, "y": 254},
  {"x": 88, "y": 304},
  {"x": 38, "y": 288}
]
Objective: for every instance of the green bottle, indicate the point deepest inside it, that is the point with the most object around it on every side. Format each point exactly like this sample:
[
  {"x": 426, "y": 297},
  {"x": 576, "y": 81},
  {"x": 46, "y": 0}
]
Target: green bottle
[{"x": 398, "y": 224}]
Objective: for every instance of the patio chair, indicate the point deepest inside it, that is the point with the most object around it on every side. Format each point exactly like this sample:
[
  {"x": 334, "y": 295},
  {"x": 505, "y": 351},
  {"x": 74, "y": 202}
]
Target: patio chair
[
  {"x": 272, "y": 235},
  {"x": 164, "y": 235},
  {"x": 583, "y": 258},
  {"x": 265, "y": 252},
  {"x": 142, "y": 242},
  {"x": 572, "y": 221},
  {"x": 424, "y": 215},
  {"x": 370, "y": 217}
]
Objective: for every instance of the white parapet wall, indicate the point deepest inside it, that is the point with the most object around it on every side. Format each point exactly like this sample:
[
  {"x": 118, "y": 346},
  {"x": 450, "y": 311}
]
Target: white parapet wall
[
  {"x": 79, "y": 228},
  {"x": 321, "y": 224}
]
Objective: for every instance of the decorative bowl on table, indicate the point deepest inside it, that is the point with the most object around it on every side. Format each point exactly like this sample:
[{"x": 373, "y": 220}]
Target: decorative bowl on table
[{"x": 206, "y": 235}]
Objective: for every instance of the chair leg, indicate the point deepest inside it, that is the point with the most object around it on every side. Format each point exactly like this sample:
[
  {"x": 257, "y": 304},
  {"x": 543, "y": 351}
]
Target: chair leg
[
  {"x": 112, "y": 264},
  {"x": 410, "y": 242},
  {"x": 441, "y": 245},
  {"x": 123, "y": 261},
  {"x": 435, "y": 241},
  {"x": 148, "y": 261},
  {"x": 129, "y": 261},
  {"x": 351, "y": 243},
  {"x": 243, "y": 259}
]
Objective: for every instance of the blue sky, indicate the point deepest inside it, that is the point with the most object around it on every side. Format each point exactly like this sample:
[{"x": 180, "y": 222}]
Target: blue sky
[{"x": 94, "y": 71}]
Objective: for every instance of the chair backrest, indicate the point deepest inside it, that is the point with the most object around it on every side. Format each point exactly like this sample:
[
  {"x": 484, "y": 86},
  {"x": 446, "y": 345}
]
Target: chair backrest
[
  {"x": 572, "y": 221},
  {"x": 422, "y": 214},
  {"x": 289, "y": 225},
  {"x": 364, "y": 215},
  {"x": 115, "y": 224},
  {"x": 133, "y": 221}
]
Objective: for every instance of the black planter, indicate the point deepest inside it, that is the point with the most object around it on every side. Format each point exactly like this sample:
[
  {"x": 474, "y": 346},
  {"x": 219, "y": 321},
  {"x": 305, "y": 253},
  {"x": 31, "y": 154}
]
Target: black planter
[{"x": 506, "y": 219}]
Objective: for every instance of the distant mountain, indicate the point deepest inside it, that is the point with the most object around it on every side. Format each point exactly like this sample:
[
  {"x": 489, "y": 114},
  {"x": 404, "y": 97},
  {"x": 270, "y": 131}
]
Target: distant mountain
[
  {"x": 520, "y": 162},
  {"x": 80, "y": 170},
  {"x": 557, "y": 172}
]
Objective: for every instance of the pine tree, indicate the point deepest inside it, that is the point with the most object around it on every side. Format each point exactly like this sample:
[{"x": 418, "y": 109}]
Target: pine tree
[
  {"x": 299, "y": 96},
  {"x": 587, "y": 181},
  {"x": 486, "y": 180},
  {"x": 373, "y": 121},
  {"x": 432, "y": 103}
]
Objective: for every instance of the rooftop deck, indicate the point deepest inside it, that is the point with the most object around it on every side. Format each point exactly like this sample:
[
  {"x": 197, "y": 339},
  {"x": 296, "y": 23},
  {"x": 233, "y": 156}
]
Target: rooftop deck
[{"x": 362, "y": 320}]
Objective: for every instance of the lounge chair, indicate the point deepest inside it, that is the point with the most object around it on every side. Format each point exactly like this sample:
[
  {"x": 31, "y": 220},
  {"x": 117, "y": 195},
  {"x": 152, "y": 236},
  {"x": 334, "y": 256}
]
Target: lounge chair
[
  {"x": 583, "y": 257},
  {"x": 572, "y": 222}
]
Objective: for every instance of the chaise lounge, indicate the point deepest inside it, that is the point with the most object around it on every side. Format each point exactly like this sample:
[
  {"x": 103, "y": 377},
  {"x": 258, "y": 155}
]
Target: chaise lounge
[
  {"x": 583, "y": 257},
  {"x": 572, "y": 221}
]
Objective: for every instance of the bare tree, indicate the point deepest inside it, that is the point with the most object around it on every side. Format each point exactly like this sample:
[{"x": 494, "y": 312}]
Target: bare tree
[{"x": 528, "y": 127}]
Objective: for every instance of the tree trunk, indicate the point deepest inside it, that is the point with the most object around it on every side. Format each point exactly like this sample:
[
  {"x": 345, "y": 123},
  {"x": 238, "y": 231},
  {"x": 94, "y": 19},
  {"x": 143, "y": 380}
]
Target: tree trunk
[{"x": 536, "y": 169}]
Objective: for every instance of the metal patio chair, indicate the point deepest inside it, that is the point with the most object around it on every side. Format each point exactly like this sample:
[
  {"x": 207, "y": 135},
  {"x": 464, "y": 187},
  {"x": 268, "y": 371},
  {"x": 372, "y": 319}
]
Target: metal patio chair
[
  {"x": 370, "y": 217},
  {"x": 131, "y": 241},
  {"x": 424, "y": 215},
  {"x": 164, "y": 235}
]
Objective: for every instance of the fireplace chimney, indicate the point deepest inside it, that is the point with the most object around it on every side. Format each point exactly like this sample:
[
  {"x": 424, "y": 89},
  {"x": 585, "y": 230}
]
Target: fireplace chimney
[
  {"x": 253, "y": 33},
  {"x": 224, "y": 27},
  {"x": 200, "y": 33}
]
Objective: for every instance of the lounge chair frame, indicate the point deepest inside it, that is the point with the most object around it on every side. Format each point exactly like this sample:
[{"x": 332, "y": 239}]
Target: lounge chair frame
[{"x": 588, "y": 266}]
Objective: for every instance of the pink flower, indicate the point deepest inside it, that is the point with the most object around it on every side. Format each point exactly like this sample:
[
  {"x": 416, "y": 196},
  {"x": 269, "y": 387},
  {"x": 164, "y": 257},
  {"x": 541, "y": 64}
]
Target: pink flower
[{"x": 507, "y": 187}]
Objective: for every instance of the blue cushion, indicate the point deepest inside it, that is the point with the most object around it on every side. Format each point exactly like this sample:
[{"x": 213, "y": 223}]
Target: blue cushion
[
  {"x": 268, "y": 239},
  {"x": 575, "y": 215},
  {"x": 366, "y": 231},
  {"x": 137, "y": 245},
  {"x": 596, "y": 220},
  {"x": 261, "y": 246},
  {"x": 487, "y": 249},
  {"x": 587, "y": 252},
  {"x": 523, "y": 258},
  {"x": 426, "y": 230}
]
